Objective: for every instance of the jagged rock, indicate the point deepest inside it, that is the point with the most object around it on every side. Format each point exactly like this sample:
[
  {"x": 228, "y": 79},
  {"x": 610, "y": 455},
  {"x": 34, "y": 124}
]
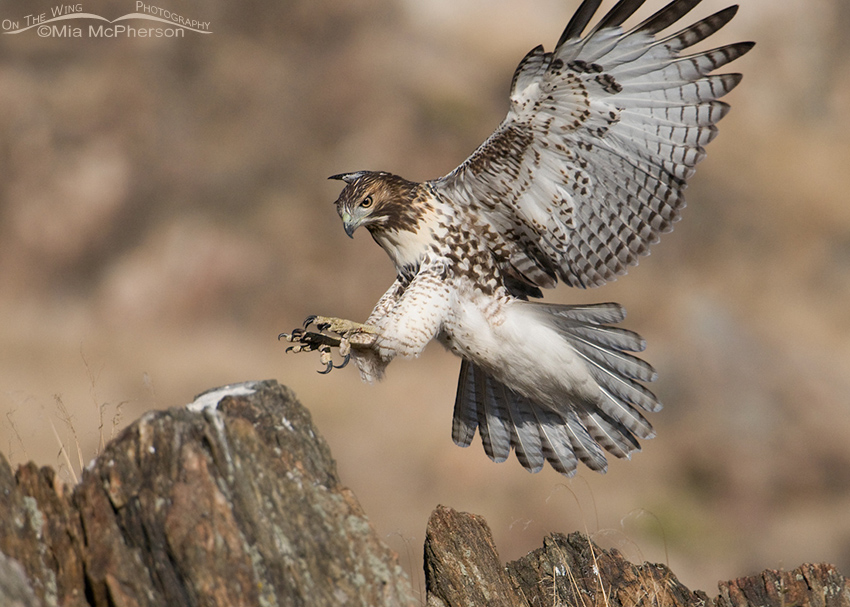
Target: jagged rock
[
  {"x": 806, "y": 586},
  {"x": 234, "y": 500},
  {"x": 41, "y": 531},
  {"x": 15, "y": 590},
  {"x": 462, "y": 568}
]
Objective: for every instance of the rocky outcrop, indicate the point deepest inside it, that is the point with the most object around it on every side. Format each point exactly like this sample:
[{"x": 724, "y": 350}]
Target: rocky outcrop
[
  {"x": 235, "y": 500},
  {"x": 463, "y": 569}
]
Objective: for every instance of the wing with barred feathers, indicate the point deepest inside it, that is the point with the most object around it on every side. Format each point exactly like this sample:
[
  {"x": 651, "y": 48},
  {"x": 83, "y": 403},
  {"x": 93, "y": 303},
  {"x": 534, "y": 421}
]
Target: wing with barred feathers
[{"x": 590, "y": 164}]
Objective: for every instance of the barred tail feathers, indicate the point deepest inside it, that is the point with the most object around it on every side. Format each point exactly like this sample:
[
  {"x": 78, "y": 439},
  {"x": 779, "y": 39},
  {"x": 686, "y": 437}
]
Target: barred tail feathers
[
  {"x": 606, "y": 353},
  {"x": 572, "y": 431},
  {"x": 506, "y": 420}
]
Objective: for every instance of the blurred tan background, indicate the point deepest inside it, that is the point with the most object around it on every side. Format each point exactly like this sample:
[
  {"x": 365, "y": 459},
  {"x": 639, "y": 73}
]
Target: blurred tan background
[{"x": 165, "y": 213}]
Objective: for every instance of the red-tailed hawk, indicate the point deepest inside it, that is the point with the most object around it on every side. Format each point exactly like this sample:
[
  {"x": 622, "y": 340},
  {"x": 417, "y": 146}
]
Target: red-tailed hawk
[{"x": 584, "y": 173}]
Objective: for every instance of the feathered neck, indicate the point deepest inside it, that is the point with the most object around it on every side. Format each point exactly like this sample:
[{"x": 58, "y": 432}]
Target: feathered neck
[{"x": 409, "y": 230}]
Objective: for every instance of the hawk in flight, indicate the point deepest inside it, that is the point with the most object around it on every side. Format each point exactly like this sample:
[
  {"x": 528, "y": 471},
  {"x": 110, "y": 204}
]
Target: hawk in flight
[{"x": 582, "y": 176}]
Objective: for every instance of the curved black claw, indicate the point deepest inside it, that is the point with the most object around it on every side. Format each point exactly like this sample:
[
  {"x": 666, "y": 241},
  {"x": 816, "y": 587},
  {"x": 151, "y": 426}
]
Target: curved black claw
[
  {"x": 297, "y": 333},
  {"x": 281, "y": 336},
  {"x": 344, "y": 362},
  {"x": 289, "y": 349},
  {"x": 309, "y": 320},
  {"x": 327, "y": 369}
]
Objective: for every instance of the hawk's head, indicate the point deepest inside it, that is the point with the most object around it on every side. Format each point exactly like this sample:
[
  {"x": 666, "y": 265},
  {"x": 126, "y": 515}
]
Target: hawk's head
[{"x": 380, "y": 201}]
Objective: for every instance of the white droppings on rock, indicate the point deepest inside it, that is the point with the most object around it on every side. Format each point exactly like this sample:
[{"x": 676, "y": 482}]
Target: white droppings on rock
[{"x": 210, "y": 400}]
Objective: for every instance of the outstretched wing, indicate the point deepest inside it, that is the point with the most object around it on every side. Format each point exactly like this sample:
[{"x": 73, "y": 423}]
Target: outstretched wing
[{"x": 590, "y": 164}]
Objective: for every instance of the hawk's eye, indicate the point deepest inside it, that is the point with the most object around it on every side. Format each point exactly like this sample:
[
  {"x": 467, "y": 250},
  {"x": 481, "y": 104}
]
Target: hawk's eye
[{"x": 367, "y": 202}]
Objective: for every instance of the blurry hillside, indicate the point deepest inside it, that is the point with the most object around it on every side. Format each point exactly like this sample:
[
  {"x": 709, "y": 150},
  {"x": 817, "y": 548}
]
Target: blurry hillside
[{"x": 165, "y": 213}]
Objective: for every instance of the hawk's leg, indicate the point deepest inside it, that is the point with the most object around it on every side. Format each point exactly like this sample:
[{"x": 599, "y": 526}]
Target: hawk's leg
[{"x": 346, "y": 334}]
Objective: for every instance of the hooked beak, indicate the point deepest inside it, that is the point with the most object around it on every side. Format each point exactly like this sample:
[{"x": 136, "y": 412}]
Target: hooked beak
[{"x": 349, "y": 224}]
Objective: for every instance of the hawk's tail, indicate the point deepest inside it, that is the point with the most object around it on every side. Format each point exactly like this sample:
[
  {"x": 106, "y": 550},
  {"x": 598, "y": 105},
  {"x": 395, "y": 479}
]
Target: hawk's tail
[{"x": 576, "y": 430}]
